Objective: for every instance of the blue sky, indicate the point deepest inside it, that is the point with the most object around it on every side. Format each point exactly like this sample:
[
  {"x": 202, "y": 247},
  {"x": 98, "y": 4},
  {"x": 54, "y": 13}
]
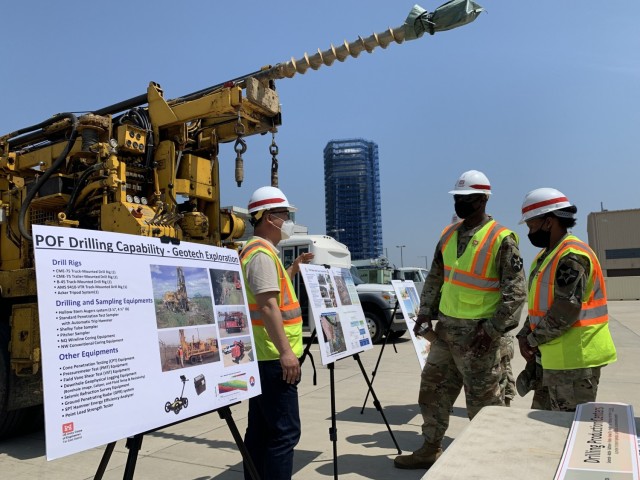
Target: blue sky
[{"x": 532, "y": 93}]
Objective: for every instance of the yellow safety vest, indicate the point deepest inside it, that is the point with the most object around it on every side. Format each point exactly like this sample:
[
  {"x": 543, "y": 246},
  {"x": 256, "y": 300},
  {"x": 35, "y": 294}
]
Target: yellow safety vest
[
  {"x": 287, "y": 302},
  {"x": 588, "y": 342},
  {"x": 471, "y": 288}
]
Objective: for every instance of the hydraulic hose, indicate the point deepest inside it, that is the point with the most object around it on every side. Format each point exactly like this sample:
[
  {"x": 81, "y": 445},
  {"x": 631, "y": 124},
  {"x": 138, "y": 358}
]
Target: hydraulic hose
[
  {"x": 81, "y": 181},
  {"x": 54, "y": 166}
]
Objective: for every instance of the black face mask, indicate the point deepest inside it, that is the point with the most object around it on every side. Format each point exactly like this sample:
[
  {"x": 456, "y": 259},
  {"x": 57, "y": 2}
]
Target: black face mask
[
  {"x": 540, "y": 238},
  {"x": 464, "y": 209}
]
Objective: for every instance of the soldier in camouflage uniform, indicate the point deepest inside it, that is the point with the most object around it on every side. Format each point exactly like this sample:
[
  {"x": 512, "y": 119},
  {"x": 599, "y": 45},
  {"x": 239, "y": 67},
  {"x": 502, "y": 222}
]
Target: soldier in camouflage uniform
[
  {"x": 476, "y": 290},
  {"x": 567, "y": 328},
  {"x": 507, "y": 380}
]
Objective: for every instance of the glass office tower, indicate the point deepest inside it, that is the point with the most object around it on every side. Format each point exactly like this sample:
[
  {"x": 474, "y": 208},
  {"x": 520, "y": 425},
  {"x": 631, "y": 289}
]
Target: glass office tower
[{"x": 352, "y": 196}]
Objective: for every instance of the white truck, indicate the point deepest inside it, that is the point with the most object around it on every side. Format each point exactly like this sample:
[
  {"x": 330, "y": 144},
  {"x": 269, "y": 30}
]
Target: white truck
[
  {"x": 378, "y": 301},
  {"x": 416, "y": 274}
]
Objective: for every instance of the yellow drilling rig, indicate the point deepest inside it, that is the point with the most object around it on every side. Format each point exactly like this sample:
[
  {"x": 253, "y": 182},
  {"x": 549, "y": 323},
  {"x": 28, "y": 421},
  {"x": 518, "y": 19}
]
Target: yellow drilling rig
[{"x": 124, "y": 168}]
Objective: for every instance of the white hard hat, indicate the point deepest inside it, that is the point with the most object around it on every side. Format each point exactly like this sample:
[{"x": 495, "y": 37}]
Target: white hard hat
[
  {"x": 472, "y": 182},
  {"x": 266, "y": 198},
  {"x": 544, "y": 200}
]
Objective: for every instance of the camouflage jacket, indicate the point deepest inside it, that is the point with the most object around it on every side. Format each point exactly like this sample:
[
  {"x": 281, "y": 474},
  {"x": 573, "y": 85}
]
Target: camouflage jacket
[
  {"x": 569, "y": 289},
  {"x": 512, "y": 283}
]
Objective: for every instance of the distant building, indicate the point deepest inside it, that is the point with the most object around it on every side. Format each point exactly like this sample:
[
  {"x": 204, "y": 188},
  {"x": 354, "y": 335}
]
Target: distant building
[
  {"x": 615, "y": 238},
  {"x": 352, "y": 196}
]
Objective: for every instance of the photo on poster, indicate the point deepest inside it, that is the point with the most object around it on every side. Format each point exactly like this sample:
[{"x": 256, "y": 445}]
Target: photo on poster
[
  {"x": 332, "y": 333},
  {"x": 327, "y": 292},
  {"x": 182, "y": 402},
  {"x": 409, "y": 305},
  {"x": 347, "y": 279},
  {"x": 237, "y": 351},
  {"x": 415, "y": 299},
  {"x": 409, "y": 302},
  {"x": 232, "y": 321},
  {"x": 343, "y": 289},
  {"x": 227, "y": 287},
  {"x": 233, "y": 385},
  {"x": 182, "y": 296},
  {"x": 184, "y": 347}
]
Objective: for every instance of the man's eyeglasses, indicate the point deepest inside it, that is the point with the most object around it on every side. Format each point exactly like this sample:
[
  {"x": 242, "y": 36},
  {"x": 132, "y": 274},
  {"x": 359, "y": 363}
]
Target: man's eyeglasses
[{"x": 286, "y": 215}]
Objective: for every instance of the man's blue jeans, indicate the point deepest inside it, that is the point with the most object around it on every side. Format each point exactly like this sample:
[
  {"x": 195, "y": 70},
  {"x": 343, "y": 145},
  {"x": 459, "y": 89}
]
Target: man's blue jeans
[{"x": 273, "y": 428}]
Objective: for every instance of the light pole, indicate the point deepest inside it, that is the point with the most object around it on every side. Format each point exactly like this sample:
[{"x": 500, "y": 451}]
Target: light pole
[
  {"x": 401, "y": 261},
  {"x": 426, "y": 261}
]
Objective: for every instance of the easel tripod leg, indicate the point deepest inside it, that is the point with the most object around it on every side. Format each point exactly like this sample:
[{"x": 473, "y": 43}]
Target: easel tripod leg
[
  {"x": 384, "y": 344},
  {"x": 333, "y": 431},
  {"x": 376, "y": 402},
  {"x": 225, "y": 414},
  {"x": 133, "y": 444},
  {"x": 106, "y": 456}
]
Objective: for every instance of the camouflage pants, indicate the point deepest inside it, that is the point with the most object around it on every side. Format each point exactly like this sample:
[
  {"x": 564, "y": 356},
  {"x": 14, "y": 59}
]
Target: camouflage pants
[
  {"x": 564, "y": 390},
  {"x": 507, "y": 380},
  {"x": 450, "y": 367}
]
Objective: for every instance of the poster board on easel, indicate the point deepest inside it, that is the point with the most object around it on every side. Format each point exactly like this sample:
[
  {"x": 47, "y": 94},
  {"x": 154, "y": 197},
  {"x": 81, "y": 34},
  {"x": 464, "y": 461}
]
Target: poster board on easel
[
  {"x": 335, "y": 308},
  {"x": 137, "y": 334},
  {"x": 409, "y": 301}
]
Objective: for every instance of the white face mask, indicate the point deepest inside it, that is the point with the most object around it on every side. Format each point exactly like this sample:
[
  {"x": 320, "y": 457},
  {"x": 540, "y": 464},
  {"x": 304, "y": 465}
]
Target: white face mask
[{"x": 286, "y": 229}]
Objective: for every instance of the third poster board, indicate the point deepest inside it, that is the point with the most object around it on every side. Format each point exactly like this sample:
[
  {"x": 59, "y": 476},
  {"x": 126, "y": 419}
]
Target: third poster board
[{"x": 409, "y": 301}]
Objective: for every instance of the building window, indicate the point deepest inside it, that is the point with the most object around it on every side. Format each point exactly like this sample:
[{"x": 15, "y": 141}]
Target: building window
[
  {"x": 618, "y": 253},
  {"x": 623, "y": 272}
]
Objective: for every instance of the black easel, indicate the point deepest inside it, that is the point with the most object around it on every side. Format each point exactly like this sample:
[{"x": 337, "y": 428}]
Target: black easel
[
  {"x": 135, "y": 442},
  {"x": 333, "y": 430},
  {"x": 307, "y": 353},
  {"x": 387, "y": 333}
]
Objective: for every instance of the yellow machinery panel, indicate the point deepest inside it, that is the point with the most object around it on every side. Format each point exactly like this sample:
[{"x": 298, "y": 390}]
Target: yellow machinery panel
[
  {"x": 131, "y": 139},
  {"x": 135, "y": 219},
  {"x": 25, "y": 339},
  {"x": 198, "y": 171}
]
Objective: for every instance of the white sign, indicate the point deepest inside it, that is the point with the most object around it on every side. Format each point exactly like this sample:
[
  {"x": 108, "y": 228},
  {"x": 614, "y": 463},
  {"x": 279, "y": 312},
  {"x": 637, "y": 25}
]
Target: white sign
[
  {"x": 335, "y": 307},
  {"x": 409, "y": 301},
  {"x": 602, "y": 444},
  {"x": 137, "y": 334}
]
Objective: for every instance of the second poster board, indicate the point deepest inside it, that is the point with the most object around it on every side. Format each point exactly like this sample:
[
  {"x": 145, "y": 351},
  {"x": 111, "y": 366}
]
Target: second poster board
[{"x": 336, "y": 311}]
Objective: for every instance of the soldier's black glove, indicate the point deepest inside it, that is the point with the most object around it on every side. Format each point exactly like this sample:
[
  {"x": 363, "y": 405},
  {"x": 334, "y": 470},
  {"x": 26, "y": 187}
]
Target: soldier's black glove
[
  {"x": 422, "y": 321},
  {"x": 481, "y": 341},
  {"x": 527, "y": 351},
  {"x": 424, "y": 328}
]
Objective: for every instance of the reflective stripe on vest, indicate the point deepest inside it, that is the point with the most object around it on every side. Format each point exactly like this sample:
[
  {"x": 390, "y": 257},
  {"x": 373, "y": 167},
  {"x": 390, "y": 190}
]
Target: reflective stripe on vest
[
  {"x": 594, "y": 308},
  {"x": 287, "y": 303},
  {"x": 588, "y": 342},
  {"x": 471, "y": 286}
]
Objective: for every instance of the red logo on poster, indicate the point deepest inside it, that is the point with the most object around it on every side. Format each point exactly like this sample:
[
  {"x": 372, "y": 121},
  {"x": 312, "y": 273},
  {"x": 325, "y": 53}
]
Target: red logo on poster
[
  {"x": 252, "y": 380},
  {"x": 67, "y": 427}
]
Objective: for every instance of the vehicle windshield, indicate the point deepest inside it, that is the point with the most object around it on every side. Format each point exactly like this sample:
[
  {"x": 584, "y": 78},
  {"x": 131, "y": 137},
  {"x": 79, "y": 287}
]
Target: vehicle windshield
[{"x": 356, "y": 278}]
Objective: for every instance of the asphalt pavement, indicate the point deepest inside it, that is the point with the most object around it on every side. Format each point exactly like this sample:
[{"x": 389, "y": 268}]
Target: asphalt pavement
[{"x": 204, "y": 448}]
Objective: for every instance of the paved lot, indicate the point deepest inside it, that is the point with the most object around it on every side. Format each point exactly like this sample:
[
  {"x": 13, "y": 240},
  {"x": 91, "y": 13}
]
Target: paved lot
[{"x": 203, "y": 448}]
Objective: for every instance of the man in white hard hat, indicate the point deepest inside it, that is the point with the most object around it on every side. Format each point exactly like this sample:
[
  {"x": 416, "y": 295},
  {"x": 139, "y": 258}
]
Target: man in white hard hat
[
  {"x": 476, "y": 290},
  {"x": 567, "y": 330},
  {"x": 273, "y": 428}
]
